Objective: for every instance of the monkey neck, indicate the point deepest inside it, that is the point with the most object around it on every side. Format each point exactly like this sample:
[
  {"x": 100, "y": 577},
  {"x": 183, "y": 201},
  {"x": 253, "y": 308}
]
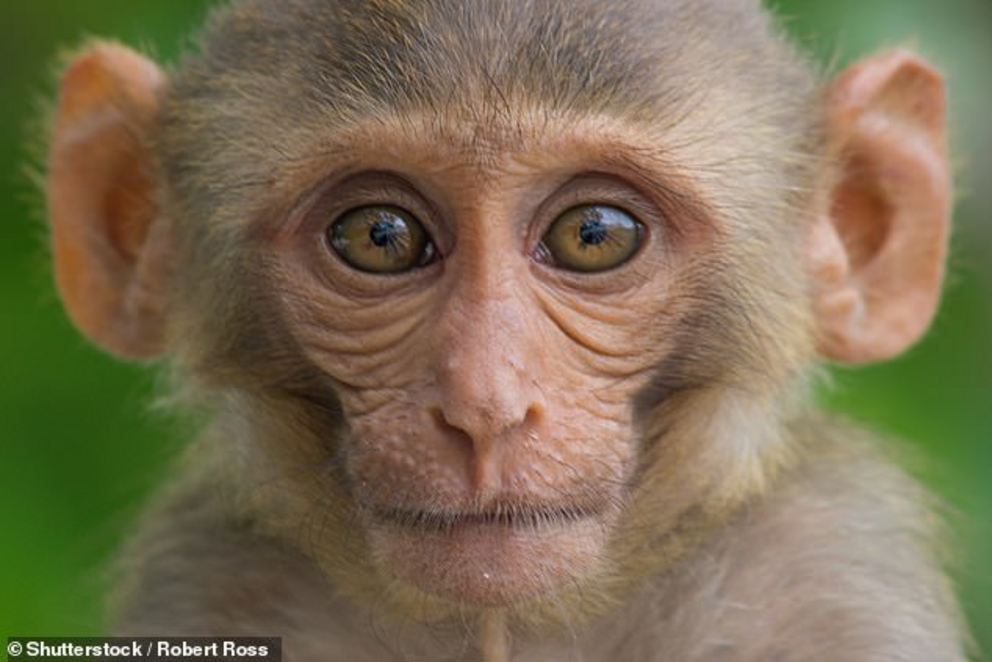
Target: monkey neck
[{"x": 494, "y": 637}]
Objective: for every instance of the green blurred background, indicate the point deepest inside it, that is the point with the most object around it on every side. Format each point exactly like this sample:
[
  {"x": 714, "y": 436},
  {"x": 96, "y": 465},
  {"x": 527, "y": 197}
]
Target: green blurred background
[{"x": 81, "y": 449}]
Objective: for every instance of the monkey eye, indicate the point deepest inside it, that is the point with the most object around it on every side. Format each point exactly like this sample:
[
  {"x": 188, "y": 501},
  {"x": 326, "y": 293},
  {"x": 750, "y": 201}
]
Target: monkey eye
[
  {"x": 591, "y": 238},
  {"x": 381, "y": 239}
]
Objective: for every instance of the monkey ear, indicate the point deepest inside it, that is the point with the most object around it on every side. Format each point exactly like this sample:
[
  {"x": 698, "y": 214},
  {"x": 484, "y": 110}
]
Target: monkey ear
[
  {"x": 878, "y": 252},
  {"x": 110, "y": 247}
]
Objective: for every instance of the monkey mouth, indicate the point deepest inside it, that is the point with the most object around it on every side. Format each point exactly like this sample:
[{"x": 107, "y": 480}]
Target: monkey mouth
[
  {"x": 501, "y": 516},
  {"x": 489, "y": 554}
]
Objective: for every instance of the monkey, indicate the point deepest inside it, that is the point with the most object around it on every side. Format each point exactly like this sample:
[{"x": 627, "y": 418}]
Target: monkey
[{"x": 501, "y": 321}]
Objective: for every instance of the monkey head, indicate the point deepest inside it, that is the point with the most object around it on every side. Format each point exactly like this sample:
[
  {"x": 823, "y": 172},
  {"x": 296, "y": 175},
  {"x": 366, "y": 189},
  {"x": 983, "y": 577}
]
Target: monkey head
[{"x": 487, "y": 304}]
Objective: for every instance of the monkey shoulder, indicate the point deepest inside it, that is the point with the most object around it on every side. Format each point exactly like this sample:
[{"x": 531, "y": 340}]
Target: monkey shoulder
[{"x": 838, "y": 561}]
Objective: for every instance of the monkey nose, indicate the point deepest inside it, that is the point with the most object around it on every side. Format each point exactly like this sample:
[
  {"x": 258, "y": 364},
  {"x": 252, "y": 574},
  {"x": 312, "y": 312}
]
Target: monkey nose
[
  {"x": 485, "y": 411},
  {"x": 485, "y": 436}
]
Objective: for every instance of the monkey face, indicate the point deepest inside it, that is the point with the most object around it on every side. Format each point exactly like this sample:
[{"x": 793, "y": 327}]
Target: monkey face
[{"x": 466, "y": 311}]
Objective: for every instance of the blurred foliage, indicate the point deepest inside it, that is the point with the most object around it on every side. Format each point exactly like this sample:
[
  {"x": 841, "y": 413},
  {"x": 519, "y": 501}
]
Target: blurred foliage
[{"x": 81, "y": 448}]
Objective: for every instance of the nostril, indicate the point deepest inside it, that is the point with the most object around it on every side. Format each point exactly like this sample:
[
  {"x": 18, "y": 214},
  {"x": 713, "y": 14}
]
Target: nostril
[
  {"x": 438, "y": 417},
  {"x": 533, "y": 417},
  {"x": 444, "y": 426}
]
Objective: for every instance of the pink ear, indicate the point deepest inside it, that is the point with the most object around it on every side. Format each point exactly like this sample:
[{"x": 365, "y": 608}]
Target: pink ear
[
  {"x": 107, "y": 242},
  {"x": 878, "y": 255}
]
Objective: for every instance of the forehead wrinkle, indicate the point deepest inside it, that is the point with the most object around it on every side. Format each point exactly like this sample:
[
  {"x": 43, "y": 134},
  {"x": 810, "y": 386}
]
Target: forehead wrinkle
[{"x": 425, "y": 142}]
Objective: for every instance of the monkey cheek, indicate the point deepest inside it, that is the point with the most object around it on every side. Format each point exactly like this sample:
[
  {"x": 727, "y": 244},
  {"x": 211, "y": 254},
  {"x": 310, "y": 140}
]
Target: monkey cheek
[{"x": 489, "y": 566}]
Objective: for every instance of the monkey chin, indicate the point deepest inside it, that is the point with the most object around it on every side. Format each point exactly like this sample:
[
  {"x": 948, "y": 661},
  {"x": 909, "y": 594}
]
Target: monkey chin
[{"x": 486, "y": 561}]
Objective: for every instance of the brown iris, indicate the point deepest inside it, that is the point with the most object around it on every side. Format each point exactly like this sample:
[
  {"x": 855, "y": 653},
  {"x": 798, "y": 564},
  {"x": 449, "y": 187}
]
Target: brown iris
[
  {"x": 591, "y": 238},
  {"x": 381, "y": 239}
]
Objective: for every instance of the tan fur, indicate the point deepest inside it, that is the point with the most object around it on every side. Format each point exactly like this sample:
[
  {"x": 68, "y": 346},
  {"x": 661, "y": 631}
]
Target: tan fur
[{"x": 488, "y": 458}]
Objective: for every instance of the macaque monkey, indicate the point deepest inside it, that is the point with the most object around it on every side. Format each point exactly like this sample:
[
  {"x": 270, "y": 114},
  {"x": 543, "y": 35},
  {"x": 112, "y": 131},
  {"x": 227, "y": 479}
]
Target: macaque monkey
[{"x": 502, "y": 320}]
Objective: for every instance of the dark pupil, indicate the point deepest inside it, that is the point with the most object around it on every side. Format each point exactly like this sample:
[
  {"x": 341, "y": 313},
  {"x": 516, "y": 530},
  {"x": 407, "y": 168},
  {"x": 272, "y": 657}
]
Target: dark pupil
[
  {"x": 383, "y": 233},
  {"x": 593, "y": 231}
]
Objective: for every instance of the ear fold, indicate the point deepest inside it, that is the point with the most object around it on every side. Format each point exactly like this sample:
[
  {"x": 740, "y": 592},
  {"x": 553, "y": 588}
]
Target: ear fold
[
  {"x": 110, "y": 247},
  {"x": 878, "y": 254}
]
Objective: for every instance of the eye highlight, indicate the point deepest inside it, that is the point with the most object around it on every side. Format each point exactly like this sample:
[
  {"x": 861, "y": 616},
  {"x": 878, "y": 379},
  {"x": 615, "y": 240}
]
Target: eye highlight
[
  {"x": 381, "y": 239},
  {"x": 591, "y": 238}
]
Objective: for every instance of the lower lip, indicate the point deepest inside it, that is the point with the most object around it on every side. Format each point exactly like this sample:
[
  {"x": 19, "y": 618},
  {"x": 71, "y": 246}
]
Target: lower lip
[{"x": 476, "y": 562}]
